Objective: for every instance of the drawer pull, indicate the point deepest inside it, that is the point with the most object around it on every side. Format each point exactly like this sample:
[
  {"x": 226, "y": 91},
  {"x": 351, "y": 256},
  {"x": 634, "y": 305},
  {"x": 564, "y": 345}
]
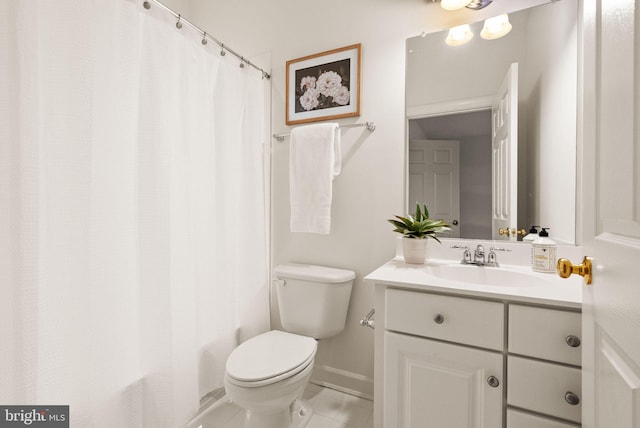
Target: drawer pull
[
  {"x": 571, "y": 398},
  {"x": 438, "y": 319},
  {"x": 493, "y": 381},
  {"x": 573, "y": 341}
]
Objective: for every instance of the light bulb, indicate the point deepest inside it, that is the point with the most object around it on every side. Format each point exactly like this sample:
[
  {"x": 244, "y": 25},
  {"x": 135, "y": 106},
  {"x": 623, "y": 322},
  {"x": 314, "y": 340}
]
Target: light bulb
[
  {"x": 496, "y": 27},
  {"x": 459, "y": 35}
]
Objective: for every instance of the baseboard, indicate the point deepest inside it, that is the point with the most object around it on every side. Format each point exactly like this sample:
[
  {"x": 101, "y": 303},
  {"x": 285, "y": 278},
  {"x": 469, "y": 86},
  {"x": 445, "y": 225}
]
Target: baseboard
[{"x": 343, "y": 381}]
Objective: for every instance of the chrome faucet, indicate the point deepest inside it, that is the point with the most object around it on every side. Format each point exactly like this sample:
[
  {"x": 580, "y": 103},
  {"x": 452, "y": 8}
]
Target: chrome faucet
[
  {"x": 466, "y": 256},
  {"x": 478, "y": 256},
  {"x": 492, "y": 259}
]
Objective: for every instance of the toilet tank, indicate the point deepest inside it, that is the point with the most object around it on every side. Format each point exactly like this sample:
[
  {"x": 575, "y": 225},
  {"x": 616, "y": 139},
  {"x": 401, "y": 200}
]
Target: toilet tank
[{"x": 313, "y": 300}]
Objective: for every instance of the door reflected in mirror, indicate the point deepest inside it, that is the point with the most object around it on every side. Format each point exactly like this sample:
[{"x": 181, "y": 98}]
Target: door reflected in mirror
[
  {"x": 450, "y": 91},
  {"x": 431, "y": 175}
]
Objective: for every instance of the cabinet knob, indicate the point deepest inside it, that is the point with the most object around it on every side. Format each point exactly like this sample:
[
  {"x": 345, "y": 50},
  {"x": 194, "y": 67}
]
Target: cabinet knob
[
  {"x": 573, "y": 341},
  {"x": 493, "y": 381},
  {"x": 438, "y": 319},
  {"x": 571, "y": 398}
]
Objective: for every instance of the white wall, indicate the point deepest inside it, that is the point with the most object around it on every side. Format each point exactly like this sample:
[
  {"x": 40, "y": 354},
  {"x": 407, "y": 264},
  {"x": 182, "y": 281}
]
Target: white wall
[
  {"x": 475, "y": 186},
  {"x": 551, "y": 74},
  {"x": 439, "y": 73},
  {"x": 180, "y": 6}
]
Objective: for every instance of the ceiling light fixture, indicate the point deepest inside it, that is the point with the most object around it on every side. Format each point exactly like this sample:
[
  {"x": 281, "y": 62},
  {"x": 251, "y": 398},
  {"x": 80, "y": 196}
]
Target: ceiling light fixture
[
  {"x": 454, "y": 4},
  {"x": 478, "y": 4},
  {"x": 459, "y": 35},
  {"x": 496, "y": 27}
]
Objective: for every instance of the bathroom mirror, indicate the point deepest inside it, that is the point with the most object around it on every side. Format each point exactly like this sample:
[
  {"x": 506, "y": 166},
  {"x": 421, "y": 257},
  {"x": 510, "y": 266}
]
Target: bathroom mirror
[{"x": 449, "y": 92}]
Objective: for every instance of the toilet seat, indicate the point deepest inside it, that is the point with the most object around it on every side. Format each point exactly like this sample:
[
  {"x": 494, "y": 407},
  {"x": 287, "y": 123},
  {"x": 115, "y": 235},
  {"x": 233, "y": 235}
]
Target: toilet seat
[{"x": 269, "y": 358}]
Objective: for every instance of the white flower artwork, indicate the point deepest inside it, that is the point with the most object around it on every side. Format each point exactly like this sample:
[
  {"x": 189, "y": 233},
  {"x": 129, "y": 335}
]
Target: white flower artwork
[
  {"x": 328, "y": 86},
  {"x": 324, "y": 86}
]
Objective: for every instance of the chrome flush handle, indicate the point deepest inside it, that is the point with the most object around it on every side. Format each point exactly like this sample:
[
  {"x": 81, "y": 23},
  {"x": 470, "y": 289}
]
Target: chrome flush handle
[{"x": 368, "y": 320}]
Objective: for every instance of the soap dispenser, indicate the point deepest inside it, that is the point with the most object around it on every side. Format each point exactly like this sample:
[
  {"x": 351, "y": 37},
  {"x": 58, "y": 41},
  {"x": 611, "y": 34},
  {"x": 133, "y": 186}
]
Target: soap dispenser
[
  {"x": 543, "y": 253},
  {"x": 532, "y": 235}
]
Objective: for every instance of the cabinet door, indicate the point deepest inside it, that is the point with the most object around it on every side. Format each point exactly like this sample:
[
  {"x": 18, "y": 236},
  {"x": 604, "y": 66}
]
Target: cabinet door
[{"x": 430, "y": 384}]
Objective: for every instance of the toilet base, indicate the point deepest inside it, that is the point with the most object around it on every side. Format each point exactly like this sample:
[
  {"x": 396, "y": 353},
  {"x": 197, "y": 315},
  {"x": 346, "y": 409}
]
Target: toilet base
[{"x": 297, "y": 416}]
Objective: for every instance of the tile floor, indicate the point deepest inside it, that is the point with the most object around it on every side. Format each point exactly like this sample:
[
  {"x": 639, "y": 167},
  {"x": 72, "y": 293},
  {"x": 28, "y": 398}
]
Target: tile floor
[{"x": 331, "y": 409}]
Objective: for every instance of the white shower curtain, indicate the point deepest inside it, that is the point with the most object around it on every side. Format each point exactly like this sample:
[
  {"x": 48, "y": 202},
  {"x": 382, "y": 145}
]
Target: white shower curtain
[{"x": 133, "y": 220}]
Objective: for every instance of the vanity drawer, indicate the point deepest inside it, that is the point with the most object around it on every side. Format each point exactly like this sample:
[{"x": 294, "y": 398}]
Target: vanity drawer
[
  {"x": 516, "y": 419},
  {"x": 549, "y": 334},
  {"x": 544, "y": 387},
  {"x": 455, "y": 319}
]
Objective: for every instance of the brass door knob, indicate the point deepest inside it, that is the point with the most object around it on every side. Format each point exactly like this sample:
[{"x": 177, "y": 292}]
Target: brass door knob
[
  {"x": 513, "y": 232},
  {"x": 566, "y": 268},
  {"x": 502, "y": 231}
]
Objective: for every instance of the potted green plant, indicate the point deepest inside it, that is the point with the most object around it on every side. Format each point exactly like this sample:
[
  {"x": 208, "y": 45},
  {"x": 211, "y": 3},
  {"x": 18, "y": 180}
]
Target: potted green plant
[{"x": 415, "y": 230}]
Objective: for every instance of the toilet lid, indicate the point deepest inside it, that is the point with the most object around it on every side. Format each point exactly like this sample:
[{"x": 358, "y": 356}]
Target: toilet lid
[{"x": 270, "y": 355}]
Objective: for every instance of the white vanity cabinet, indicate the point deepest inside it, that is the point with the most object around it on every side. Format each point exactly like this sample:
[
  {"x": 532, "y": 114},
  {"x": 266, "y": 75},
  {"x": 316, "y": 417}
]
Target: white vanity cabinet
[
  {"x": 437, "y": 383},
  {"x": 449, "y": 360}
]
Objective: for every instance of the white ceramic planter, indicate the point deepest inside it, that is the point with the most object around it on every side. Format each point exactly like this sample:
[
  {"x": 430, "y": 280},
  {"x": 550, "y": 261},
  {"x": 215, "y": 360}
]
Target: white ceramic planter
[{"x": 414, "y": 250}]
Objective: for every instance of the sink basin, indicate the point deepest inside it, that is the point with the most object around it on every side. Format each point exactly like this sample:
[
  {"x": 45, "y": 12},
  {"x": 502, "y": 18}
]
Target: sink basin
[{"x": 497, "y": 276}]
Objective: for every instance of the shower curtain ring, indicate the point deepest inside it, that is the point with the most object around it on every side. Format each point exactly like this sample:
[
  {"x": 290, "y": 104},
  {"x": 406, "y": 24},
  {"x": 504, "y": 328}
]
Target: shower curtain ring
[
  {"x": 242, "y": 62},
  {"x": 146, "y": 5},
  {"x": 178, "y": 23},
  {"x": 204, "y": 38},
  {"x": 222, "y": 52}
]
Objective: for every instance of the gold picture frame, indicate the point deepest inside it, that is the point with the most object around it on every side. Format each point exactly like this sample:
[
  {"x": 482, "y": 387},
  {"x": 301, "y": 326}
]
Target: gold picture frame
[{"x": 324, "y": 86}]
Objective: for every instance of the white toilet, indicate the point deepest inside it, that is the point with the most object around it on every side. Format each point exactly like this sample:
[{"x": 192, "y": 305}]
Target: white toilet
[{"x": 267, "y": 374}]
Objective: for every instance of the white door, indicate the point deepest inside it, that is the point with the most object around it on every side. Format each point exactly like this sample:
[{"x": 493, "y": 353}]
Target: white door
[
  {"x": 434, "y": 179},
  {"x": 611, "y": 213},
  {"x": 504, "y": 156},
  {"x": 431, "y": 384}
]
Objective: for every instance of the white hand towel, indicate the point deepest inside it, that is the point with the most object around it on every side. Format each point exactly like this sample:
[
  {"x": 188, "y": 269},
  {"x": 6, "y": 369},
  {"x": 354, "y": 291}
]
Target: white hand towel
[{"x": 314, "y": 160}]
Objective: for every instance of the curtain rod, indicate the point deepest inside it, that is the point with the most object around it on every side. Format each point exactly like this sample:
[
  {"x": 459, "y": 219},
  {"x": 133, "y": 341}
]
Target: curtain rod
[
  {"x": 205, "y": 36},
  {"x": 371, "y": 126}
]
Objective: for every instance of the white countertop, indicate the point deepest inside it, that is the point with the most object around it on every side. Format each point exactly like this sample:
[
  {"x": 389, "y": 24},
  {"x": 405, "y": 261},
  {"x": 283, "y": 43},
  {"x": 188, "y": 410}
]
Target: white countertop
[{"x": 549, "y": 289}]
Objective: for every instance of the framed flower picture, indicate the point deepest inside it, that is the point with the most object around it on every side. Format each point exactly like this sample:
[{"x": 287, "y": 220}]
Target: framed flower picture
[{"x": 324, "y": 86}]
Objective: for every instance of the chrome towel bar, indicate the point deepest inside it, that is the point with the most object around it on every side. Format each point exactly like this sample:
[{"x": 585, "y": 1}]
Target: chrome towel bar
[{"x": 371, "y": 126}]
